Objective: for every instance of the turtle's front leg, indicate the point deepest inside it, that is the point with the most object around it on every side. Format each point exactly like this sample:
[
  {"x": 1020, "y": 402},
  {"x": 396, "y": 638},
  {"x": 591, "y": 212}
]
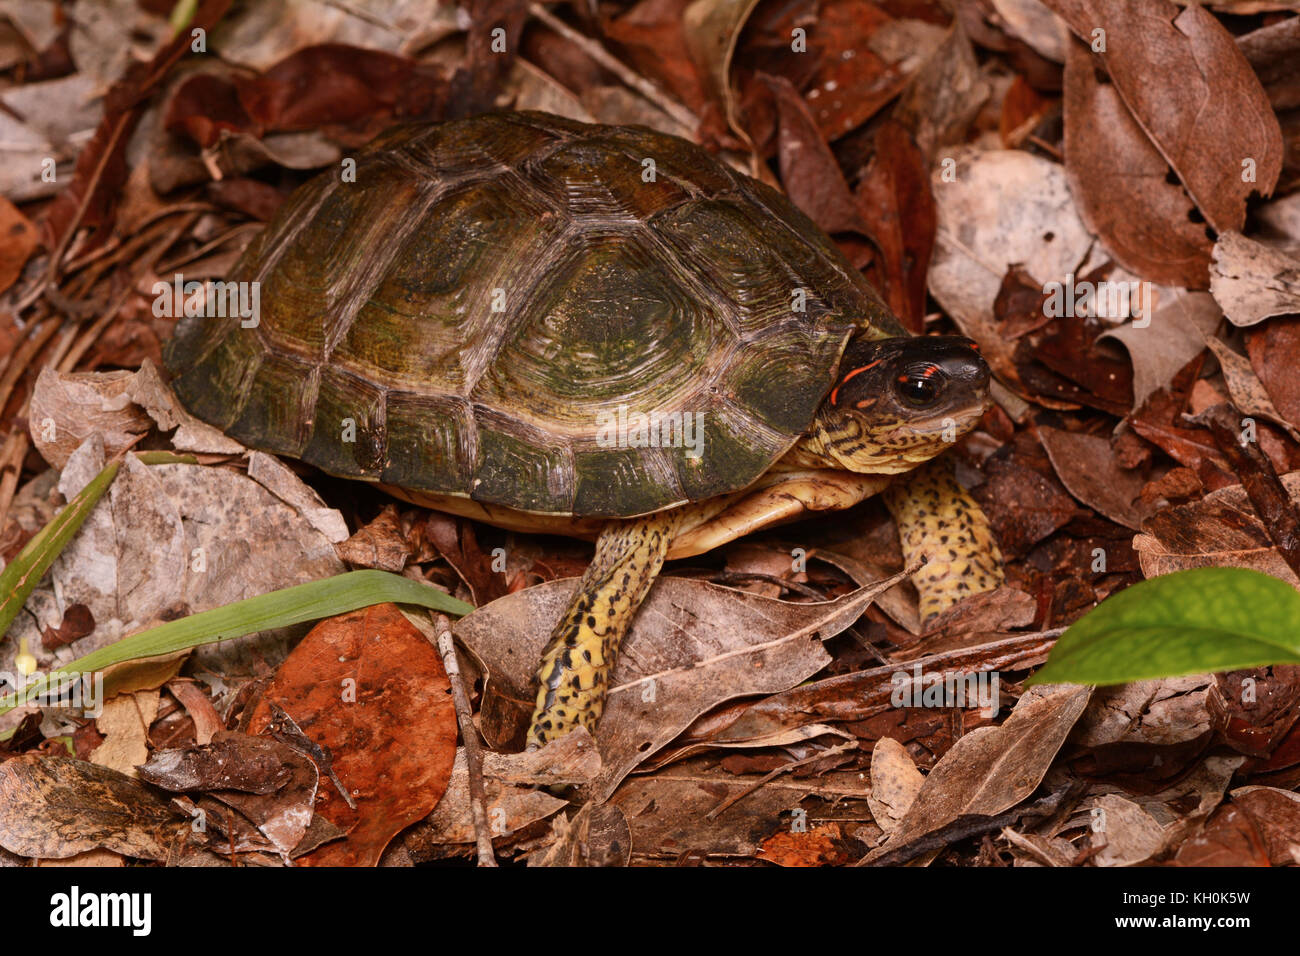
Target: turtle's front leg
[
  {"x": 940, "y": 523},
  {"x": 574, "y": 674}
]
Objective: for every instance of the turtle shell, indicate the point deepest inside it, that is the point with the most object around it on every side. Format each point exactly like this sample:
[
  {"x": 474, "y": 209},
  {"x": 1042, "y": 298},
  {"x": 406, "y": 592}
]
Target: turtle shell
[{"x": 497, "y": 307}]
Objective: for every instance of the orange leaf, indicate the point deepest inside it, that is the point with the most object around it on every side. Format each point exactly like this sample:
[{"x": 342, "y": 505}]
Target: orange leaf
[{"x": 369, "y": 687}]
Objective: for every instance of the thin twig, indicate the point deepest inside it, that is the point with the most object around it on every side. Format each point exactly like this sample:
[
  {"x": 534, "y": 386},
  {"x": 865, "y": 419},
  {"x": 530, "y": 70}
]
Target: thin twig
[
  {"x": 51, "y": 273},
  {"x": 772, "y": 775},
  {"x": 11, "y": 466},
  {"x": 36, "y": 339},
  {"x": 594, "y": 49},
  {"x": 88, "y": 338},
  {"x": 468, "y": 734}
]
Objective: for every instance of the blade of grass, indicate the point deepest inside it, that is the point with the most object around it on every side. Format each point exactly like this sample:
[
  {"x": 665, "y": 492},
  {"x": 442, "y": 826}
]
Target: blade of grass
[{"x": 304, "y": 602}]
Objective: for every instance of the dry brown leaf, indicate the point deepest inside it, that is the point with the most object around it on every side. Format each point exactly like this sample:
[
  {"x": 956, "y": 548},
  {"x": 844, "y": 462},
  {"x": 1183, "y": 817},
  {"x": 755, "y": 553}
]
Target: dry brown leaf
[
  {"x": 809, "y": 171},
  {"x": 1087, "y": 467},
  {"x": 1220, "y": 530},
  {"x": 1272, "y": 52},
  {"x": 598, "y": 835},
  {"x": 233, "y": 761},
  {"x": 1276, "y": 815},
  {"x": 944, "y": 96},
  {"x": 895, "y": 782},
  {"x": 1183, "y": 78},
  {"x": 56, "y": 807},
  {"x": 1127, "y": 834},
  {"x": 67, "y": 408},
  {"x": 18, "y": 241},
  {"x": 663, "y": 810},
  {"x": 512, "y": 785},
  {"x": 692, "y": 646},
  {"x": 207, "y": 723},
  {"x": 1034, "y": 23},
  {"x": 1175, "y": 335},
  {"x": 991, "y": 769},
  {"x": 125, "y": 725},
  {"x": 175, "y": 539},
  {"x": 1118, "y": 176},
  {"x": 1160, "y": 713},
  {"x": 1247, "y": 390},
  {"x": 1001, "y": 207},
  {"x": 712, "y": 30},
  {"x": 1252, "y": 281}
]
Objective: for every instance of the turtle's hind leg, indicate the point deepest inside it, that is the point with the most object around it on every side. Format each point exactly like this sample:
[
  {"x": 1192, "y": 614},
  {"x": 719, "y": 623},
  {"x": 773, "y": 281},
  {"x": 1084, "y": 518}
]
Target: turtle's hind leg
[
  {"x": 939, "y": 522},
  {"x": 574, "y": 674}
]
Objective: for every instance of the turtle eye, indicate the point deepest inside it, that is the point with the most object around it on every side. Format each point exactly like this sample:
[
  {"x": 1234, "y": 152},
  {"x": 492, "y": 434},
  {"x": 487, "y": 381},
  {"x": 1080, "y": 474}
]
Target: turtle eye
[{"x": 920, "y": 385}]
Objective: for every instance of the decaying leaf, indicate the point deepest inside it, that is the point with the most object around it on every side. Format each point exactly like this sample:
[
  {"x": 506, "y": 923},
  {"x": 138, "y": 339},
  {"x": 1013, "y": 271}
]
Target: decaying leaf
[
  {"x": 1253, "y": 281},
  {"x": 692, "y": 646},
  {"x": 513, "y": 791},
  {"x": 174, "y": 539},
  {"x": 991, "y": 769},
  {"x": 712, "y": 29},
  {"x": 257, "y": 792},
  {"x": 1246, "y": 389},
  {"x": 1160, "y": 713},
  {"x": 231, "y": 762},
  {"x": 1220, "y": 530},
  {"x": 55, "y": 807},
  {"x": 997, "y": 208},
  {"x": 1127, "y": 833},
  {"x": 125, "y": 725},
  {"x": 660, "y": 809},
  {"x": 895, "y": 782},
  {"x": 1276, "y": 816},
  {"x": 370, "y": 688},
  {"x": 68, "y": 408},
  {"x": 598, "y": 835},
  {"x": 1161, "y": 345},
  {"x": 944, "y": 95},
  {"x": 1185, "y": 81},
  {"x": 1087, "y": 467},
  {"x": 1118, "y": 176}
]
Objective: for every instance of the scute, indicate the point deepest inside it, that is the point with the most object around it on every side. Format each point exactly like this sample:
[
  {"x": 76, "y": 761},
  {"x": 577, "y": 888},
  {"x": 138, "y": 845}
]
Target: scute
[{"x": 492, "y": 303}]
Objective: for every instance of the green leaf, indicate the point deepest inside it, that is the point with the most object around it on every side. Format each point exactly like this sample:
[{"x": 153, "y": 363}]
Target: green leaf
[
  {"x": 1199, "y": 621},
  {"x": 305, "y": 602}
]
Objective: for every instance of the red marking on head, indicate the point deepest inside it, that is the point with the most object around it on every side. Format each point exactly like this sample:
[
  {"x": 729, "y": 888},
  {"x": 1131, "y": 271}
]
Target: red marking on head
[{"x": 835, "y": 392}]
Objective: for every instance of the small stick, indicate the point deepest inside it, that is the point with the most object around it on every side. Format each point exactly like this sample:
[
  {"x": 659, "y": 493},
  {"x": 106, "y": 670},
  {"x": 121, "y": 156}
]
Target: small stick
[
  {"x": 468, "y": 733},
  {"x": 597, "y": 52},
  {"x": 784, "y": 768},
  {"x": 11, "y": 465}
]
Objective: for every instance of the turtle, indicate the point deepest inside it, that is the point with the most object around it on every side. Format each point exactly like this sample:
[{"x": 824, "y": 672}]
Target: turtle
[{"x": 594, "y": 330}]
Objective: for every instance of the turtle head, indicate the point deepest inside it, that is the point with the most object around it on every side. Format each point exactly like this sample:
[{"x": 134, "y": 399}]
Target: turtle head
[{"x": 898, "y": 402}]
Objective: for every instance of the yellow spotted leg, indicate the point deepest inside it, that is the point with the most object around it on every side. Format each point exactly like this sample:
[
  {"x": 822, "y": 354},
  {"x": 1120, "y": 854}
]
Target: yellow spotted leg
[
  {"x": 574, "y": 674},
  {"x": 940, "y": 523}
]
